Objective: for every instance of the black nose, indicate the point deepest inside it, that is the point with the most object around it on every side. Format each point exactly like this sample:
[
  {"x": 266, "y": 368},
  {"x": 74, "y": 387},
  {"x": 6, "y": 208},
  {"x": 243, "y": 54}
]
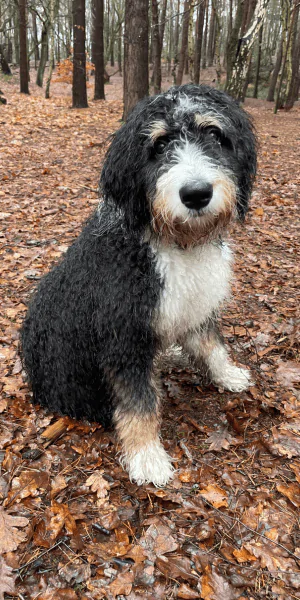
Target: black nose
[{"x": 196, "y": 196}]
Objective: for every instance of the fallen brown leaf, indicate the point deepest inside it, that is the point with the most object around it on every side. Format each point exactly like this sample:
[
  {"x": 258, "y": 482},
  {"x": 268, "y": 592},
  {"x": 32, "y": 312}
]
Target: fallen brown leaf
[{"x": 10, "y": 536}]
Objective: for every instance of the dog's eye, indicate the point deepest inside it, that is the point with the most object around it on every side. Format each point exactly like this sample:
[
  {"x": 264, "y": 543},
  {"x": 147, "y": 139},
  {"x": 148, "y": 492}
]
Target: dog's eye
[
  {"x": 214, "y": 134},
  {"x": 160, "y": 146}
]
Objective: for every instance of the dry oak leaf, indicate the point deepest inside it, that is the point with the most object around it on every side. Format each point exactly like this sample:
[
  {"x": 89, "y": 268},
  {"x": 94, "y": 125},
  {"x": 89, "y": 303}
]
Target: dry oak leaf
[
  {"x": 10, "y": 536},
  {"x": 30, "y": 483},
  {"x": 176, "y": 567},
  {"x": 274, "y": 559},
  {"x": 286, "y": 443},
  {"x": 7, "y": 580},
  {"x": 122, "y": 585},
  {"x": 215, "y": 587},
  {"x": 184, "y": 591},
  {"x": 98, "y": 484},
  {"x": 288, "y": 373},
  {"x": 242, "y": 555},
  {"x": 50, "y": 526},
  {"x": 215, "y": 495},
  {"x": 159, "y": 539},
  {"x": 291, "y": 491},
  {"x": 220, "y": 440}
]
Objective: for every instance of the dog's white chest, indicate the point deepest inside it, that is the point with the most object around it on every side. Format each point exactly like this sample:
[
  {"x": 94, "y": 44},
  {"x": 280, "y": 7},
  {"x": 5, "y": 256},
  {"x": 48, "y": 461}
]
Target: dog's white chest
[{"x": 195, "y": 283}]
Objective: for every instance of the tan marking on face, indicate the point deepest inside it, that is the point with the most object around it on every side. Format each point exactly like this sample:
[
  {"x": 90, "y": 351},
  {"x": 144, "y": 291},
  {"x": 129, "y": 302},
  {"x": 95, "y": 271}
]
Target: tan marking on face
[
  {"x": 207, "y": 121},
  {"x": 157, "y": 129},
  {"x": 194, "y": 231}
]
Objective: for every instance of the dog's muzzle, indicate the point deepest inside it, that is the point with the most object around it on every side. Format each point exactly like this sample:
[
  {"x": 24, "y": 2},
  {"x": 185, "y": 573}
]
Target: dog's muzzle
[{"x": 196, "y": 197}]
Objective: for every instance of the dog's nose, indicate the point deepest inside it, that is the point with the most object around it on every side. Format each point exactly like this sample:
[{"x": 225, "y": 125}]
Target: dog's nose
[{"x": 196, "y": 197}]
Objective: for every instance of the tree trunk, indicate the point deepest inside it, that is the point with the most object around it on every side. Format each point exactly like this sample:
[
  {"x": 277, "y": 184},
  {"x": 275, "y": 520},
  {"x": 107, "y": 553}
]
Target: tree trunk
[
  {"x": 260, "y": 37},
  {"x": 198, "y": 42},
  {"x": 210, "y": 45},
  {"x": 184, "y": 42},
  {"x": 99, "y": 50},
  {"x": 52, "y": 47},
  {"x": 136, "y": 73},
  {"x": 274, "y": 77},
  {"x": 3, "y": 62},
  {"x": 156, "y": 56},
  {"x": 120, "y": 50},
  {"x": 17, "y": 37},
  {"x": 79, "y": 94},
  {"x": 43, "y": 59},
  {"x": 292, "y": 92},
  {"x": 204, "y": 45},
  {"x": 289, "y": 18},
  {"x": 236, "y": 86},
  {"x": 23, "y": 48},
  {"x": 232, "y": 42},
  {"x": 191, "y": 51},
  {"x": 35, "y": 39}
]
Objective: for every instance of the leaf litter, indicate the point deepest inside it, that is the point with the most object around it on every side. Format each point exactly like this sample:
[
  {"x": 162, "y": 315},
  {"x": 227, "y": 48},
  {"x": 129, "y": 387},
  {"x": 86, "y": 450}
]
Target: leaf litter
[{"x": 72, "y": 525}]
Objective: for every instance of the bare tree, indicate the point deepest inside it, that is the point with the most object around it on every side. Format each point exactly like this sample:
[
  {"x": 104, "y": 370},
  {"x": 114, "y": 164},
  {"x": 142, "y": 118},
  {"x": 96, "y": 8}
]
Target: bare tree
[
  {"x": 79, "y": 93},
  {"x": 136, "y": 71},
  {"x": 198, "y": 41},
  {"x": 24, "y": 75},
  {"x": 236, "y": 86},
  {"x": 184, "y": 41},
  {"x": 98, "y": 43}
]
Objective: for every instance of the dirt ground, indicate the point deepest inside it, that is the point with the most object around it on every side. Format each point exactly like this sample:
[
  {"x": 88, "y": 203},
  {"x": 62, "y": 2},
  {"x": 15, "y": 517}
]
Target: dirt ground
[{"x": 71, "y": 523}]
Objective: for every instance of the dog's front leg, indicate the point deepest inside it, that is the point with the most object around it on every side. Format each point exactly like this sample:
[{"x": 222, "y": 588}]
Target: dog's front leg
[
  {"x": 137, "y": 423},
  {"x": 206, "y": 348}
]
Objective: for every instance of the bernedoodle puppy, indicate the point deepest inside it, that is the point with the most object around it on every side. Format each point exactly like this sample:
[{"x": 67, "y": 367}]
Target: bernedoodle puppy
[{"x": 149, "y": 270}]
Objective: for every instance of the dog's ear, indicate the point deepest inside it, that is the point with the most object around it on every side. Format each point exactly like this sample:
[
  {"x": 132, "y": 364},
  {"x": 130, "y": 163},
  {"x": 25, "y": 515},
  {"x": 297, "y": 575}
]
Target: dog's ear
[
  {"x": 121, "y": 179},
  {"x": 246, "y": 147}
]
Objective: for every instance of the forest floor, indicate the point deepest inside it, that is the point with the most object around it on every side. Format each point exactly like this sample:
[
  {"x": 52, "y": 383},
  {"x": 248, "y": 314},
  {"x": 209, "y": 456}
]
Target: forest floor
[{"x": 71, "y": 523}]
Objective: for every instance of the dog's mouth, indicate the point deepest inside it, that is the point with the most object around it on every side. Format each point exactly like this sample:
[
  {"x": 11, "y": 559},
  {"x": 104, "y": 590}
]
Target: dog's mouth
[{"x": 195, "y": 226}]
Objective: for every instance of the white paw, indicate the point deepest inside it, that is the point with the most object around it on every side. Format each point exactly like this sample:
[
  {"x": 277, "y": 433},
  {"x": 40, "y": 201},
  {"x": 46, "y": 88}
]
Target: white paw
[
  {"x": 151, "y": 464},
  {"x": 234, "y": 379}
]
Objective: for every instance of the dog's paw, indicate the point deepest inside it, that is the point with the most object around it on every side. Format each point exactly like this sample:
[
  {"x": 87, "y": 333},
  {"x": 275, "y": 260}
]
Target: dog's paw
[
  {"x": 150, "y": 464},
  {"x": 234, "y": 379}
]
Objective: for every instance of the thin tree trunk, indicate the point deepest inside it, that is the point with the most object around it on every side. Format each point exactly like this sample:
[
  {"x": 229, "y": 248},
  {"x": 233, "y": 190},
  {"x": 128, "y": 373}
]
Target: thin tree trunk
[
  {"x": 79, "y": 94},
  {"x": 52, "y": 47},
  {"x": 184, "y": 42},
  {"x": 99, "y": 50},
  {"x": 198, "y": 42},
  {"x": 43, "y": 59},
  {"x": 260, "y": 37},
  {"x": 24, "y": 89},
  {"x": 292, "y": 92},
  {"x": 35, "y": 39},
  {"x": 136, "y": 70},
  {"x": 156, "y": 56},
  {"x": 210, "y": 54},
  {"x": 191, "y": 52},
  {"x": 274, "y": 77},
  {"x": 204, "y": 45}
]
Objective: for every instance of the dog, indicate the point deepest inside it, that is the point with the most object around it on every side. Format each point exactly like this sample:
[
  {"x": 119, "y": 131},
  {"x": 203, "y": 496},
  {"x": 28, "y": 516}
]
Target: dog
[{"x": 150, "y": 269}]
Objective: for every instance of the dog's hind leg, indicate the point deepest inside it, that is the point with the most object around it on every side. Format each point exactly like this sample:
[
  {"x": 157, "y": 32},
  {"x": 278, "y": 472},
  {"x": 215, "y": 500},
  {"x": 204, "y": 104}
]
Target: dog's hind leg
[
  {"x": 206, "y": 348},
  {"x": 137, "y": 426}
]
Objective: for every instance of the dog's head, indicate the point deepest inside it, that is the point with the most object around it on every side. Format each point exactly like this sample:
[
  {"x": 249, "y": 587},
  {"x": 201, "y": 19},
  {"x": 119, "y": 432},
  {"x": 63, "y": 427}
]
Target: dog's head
[{"x": 183, "y": 163}]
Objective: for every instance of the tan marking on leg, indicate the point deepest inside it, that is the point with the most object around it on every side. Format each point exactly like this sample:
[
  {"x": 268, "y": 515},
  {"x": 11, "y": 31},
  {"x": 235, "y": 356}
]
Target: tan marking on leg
[{"x": 143, "y": 454}]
